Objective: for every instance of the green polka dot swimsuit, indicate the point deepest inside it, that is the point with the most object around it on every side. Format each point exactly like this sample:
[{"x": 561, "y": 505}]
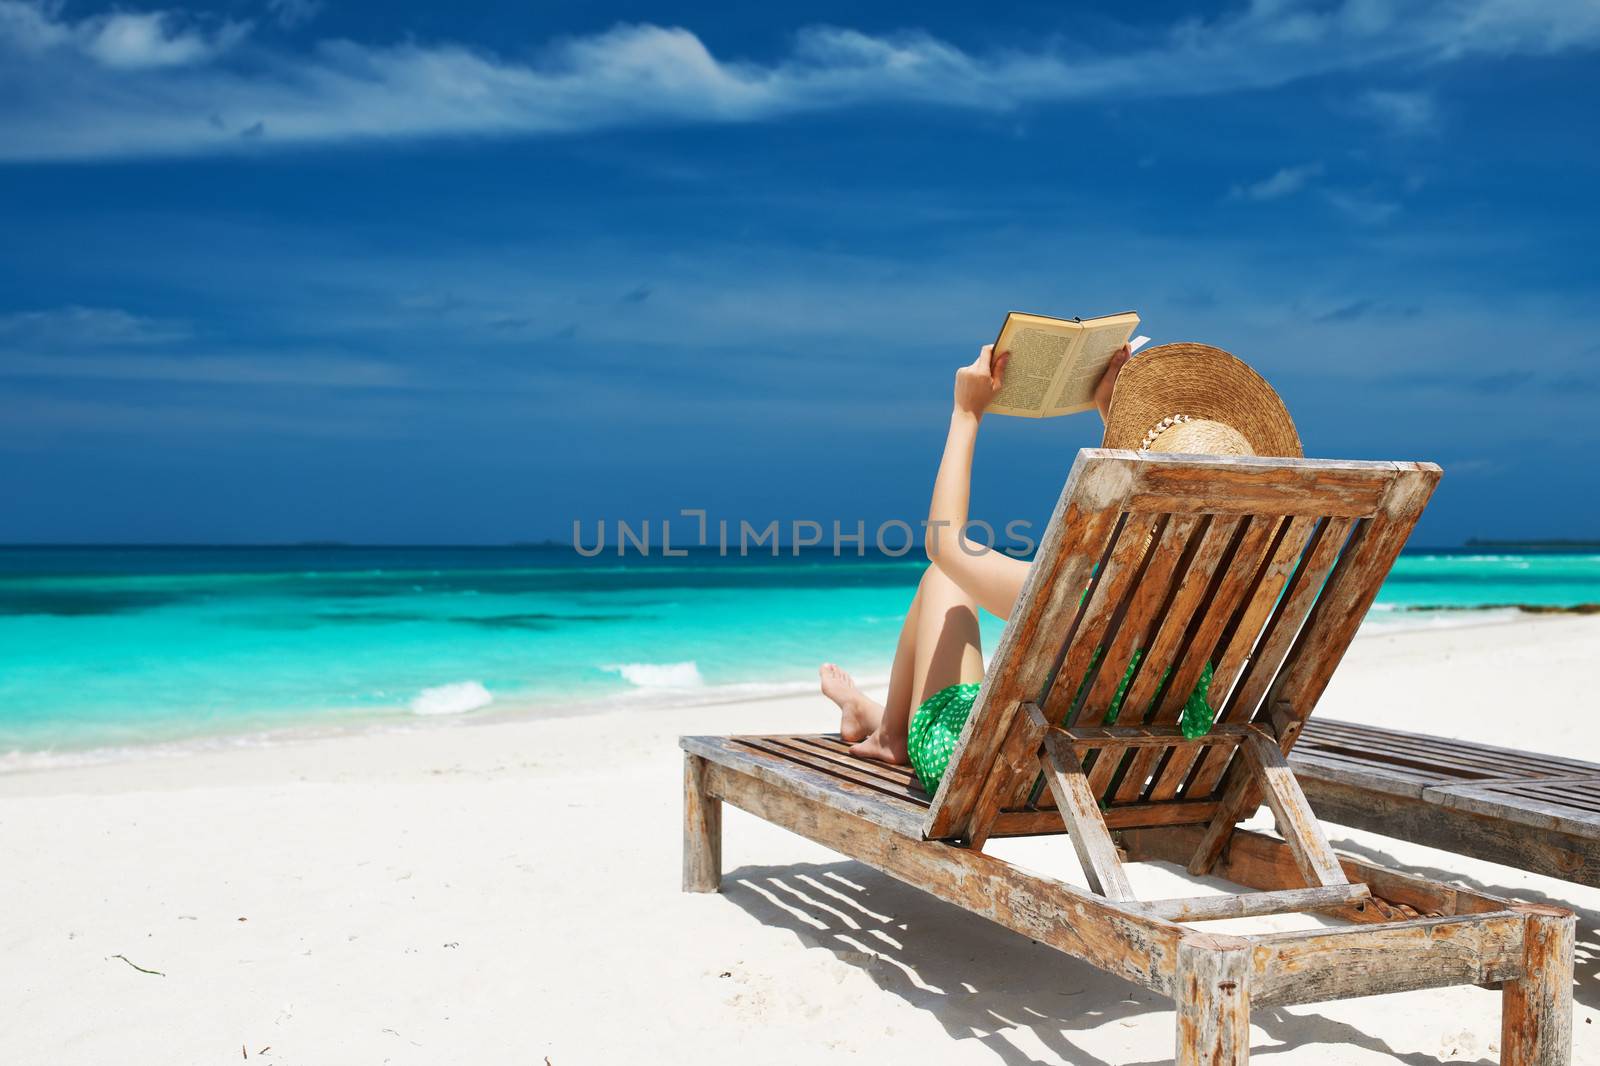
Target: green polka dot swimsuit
[
  {"x": 931, "y": 738},
  {"x": 936, "y": 726}
]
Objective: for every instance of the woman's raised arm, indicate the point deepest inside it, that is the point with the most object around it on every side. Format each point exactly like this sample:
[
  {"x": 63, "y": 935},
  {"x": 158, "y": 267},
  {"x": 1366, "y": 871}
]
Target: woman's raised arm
[{"x": 992, "y": 578}]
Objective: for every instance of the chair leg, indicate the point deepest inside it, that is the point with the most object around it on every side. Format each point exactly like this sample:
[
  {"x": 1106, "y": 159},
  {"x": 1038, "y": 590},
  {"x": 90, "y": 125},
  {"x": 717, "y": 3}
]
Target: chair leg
[
  {"x": 1213, "y": 993},
  {"x": 702, "y": 830},
  {"x": 1536, "y": 1009}
]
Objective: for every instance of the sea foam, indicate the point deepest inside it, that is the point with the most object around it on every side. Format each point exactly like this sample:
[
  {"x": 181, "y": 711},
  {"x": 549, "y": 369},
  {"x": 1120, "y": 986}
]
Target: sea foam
[
  {"x": 659, "y": 675},
  {"x": 458, "y": 698}
]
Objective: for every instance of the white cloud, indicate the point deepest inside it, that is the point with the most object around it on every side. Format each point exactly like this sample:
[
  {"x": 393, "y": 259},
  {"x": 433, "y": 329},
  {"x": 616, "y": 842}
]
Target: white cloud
[
  {"x": 292, "y": 13},
  {"x": 244, "y": 370},
  {"x": 127, "y": 41},
  {"x": 82, "y": 327},
  {"x": 1286, "y": 181},
  {"x": 160, "y": 83},
  {"x": 1405, "y": 112},
  {"x": 1367, "y": 210}
]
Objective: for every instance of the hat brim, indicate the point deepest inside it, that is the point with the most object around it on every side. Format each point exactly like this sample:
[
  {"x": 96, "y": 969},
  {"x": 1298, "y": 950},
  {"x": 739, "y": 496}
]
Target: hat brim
[{"x": 1202, "y": 382}]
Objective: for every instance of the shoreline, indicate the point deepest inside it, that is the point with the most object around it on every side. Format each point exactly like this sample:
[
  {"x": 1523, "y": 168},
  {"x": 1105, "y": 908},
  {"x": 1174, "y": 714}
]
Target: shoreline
[{"x": 522, "y": 707}]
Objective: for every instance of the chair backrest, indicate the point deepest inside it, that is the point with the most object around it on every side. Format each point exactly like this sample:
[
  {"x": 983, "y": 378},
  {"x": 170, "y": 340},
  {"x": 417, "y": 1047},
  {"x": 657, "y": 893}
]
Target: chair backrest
[{"x": 1260, "y": 567}]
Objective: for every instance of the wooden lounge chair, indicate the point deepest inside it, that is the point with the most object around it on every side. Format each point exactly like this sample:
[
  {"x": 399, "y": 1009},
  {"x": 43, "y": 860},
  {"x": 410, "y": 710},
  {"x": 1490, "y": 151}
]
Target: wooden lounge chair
[
  {"x": 1535, "y": 812},
  {"x": 1263, "y": 567}
]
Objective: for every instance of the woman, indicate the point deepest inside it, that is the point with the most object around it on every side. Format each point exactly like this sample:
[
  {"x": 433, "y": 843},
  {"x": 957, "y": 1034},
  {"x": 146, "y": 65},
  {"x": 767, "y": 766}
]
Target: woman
[{"x": 1210, "y": 403}]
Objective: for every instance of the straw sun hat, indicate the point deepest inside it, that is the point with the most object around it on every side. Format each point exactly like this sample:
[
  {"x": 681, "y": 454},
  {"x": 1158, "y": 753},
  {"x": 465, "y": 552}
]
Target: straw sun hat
[{"x": 1196, "y": 398}]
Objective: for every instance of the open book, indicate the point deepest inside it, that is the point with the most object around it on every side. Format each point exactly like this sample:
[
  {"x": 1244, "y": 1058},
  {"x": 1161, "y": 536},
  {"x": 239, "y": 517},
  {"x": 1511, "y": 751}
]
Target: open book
[{"x": 1056, "y": 362}]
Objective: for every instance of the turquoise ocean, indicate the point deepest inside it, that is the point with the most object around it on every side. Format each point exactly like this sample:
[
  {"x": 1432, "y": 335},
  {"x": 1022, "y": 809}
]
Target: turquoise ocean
[{"x": 103, "y": 649}]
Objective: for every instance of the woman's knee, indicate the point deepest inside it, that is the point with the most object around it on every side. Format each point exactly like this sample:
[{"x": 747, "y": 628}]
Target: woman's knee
[{"x": 940, "y": 587}]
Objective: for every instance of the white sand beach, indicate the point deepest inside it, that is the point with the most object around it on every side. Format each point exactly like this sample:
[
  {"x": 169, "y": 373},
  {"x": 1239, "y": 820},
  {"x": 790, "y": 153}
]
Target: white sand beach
[{"x": 507, "y": 891}]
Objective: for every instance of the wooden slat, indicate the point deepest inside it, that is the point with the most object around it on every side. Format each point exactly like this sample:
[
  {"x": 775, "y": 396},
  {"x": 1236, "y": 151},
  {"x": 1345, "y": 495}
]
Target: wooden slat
[
  {"x": 903, "y": 776},
  {"x": 1134, "y": 947},
  {"x": 1105, "y": 603},
  {"x": 1037, "y": 822},
  {"x": 1149, "y": 593},
  {"x": 1276, "y": 640},
  {"x": 1252, "y": 584},
  {"x": 1380, "y": 743},
  {"x": 867, "y": 804},
  {"x": 1153, "y": 589},
  {"x": 1146, "y": 736},
  {"x": 1090, "y": 838},
  {"x": 862, "y": 771},
  {"x": 1075, "y": 540},
  {"x": 1223, "y": 539},
  {"x": 1317, "y": 650},
  {"x": 1257, "y": 485},
  {"x": 1502, "y": 834},
  {"x": 1253, "y": 904},
  {"x": 1017, "y": 757},
  {"x": 842, "y": 772},
  {"x": 1539, "y": 808},
  {"x": 1156, "y": 589}
]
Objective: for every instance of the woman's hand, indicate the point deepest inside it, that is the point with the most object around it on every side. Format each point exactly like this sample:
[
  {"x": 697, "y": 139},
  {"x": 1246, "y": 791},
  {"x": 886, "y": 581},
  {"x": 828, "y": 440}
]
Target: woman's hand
[
  {"x": 1108, "y": 381},
  {"x": 978, "y": 382}
]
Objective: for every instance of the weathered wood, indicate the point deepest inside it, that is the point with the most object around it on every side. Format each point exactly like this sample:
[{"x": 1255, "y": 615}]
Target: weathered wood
[
  {"x": 844, "y": 767},
  {"x": 1148, "y": 594},
  {"x": 1310, "y": 966},
  {"x": 1147, "y": 736},
  {"x": 1276, "y": 641},
  {"x": 1244, "y": 602},
  {"x": 1251, "y": 904},
  {"x": 1447, "y": 755},
  {"x": 1258, "y": 485},
  {"x": 1103, "y": 606},
  {"x": 1221, "y": 546},
  {"x": 1562, "y": 805},
  {"x": 702, "y": 830},
  {"x": 1349, "y": 594},
  {"x": 1261, "y": 862},
  {"x": 1198, "y": 591},
  {"x": 1296, "y": 823},
  {"x": 1138, "y": 948},
  {"x": 1503, "y": 837},
  {"x": 1343, "y": 602},
  {"x": 1016, "y": 758},
  {"x": 1214, "y": 996},
  {"x": 1536, "y": 1008},
  {"x": 1086, "y": 516},
  {"x": 1090, "y": 838},
  {"x": 900, "y": 816},
  {"x": 1048, "y": 820},
  {"x": 1151, "y": 590}
]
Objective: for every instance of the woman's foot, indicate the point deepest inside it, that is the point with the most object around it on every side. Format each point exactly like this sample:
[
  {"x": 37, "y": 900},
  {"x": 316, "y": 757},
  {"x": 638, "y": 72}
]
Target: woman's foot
[
  {"x": 881, "y": 749},
  {"x": 858, "y": 715}
]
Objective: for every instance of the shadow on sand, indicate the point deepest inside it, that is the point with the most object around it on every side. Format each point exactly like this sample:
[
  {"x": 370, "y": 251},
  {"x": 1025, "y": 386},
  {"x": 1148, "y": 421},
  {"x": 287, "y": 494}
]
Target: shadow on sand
[{"x": 982, "y": 982}]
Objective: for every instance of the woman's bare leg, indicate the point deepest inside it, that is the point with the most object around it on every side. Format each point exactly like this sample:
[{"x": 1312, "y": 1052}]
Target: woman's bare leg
[
  {"x": 859, "y": 714},
  {"x": 945, "y": 649}
]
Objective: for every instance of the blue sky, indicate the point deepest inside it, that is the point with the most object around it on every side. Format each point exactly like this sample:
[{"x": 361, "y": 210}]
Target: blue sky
[{"x": 418, "y": 272}]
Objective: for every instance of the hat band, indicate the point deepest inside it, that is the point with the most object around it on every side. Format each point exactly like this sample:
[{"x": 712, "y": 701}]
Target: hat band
[{"x": 1160, "y": 428}]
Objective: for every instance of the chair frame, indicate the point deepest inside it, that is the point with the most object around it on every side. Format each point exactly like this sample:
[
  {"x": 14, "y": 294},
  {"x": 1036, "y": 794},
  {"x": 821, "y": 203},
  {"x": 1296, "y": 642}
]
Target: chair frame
[{"x": 1266, "y": 566}]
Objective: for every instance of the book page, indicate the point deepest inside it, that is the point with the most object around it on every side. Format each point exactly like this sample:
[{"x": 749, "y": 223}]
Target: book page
[
  {"x": 1101, "y": 339},
  {"x": 1037, "y": 354}
]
